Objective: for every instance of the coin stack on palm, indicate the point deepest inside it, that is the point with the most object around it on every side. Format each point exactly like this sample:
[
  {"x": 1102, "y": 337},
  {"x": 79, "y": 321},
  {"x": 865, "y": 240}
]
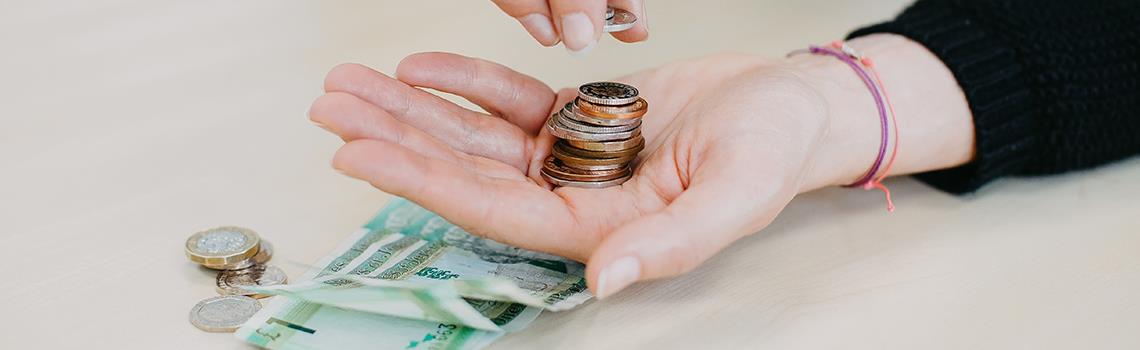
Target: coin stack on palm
[
  {"x": 599, "y": 136},
  {"x": 240, "y": 256}
]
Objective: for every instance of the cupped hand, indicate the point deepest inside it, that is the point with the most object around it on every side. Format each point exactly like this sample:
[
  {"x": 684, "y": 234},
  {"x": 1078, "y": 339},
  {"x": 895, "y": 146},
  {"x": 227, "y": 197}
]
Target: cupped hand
[
  {"x": 576, "y": 23},
  {"x": 729, "y": 141}
]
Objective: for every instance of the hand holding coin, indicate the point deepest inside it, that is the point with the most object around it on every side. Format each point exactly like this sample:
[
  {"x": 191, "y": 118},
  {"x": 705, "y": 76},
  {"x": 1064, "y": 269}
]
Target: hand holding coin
[
  {"x": 655, "y": 179},
  {"x": 578, "y": 24}
]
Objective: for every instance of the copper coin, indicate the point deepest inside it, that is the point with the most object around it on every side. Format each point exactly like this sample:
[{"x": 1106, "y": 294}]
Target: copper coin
[
  {"x": 554, "y": 168},
  {"x": 632, "y": 110},
  {"x": 622, "y": 20},
  {"x": 594, "y": 128},
  {"x": 609, "y": 146},
  {"x": 571, "y": 110},
  {"x": 629, "y": 152},
  {"x": 586, "y": 184},
  {"x": 578, "y": 161},
  {"x": 596, "y": 167}
]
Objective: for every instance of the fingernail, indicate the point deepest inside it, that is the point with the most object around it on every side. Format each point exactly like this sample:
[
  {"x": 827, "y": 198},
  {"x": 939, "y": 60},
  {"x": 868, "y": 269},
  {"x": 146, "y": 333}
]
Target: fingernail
[
  {"x": 583, "y": 52},
  {"x": 539, "y": 26},
  {"x": 620, "y": 274},
  {"x": 577, "y": 32}
]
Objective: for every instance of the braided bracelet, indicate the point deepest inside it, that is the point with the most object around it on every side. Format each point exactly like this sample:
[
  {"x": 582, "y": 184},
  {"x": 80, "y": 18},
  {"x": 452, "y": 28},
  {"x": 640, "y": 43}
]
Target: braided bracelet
[{"x": 874, "y": 83}]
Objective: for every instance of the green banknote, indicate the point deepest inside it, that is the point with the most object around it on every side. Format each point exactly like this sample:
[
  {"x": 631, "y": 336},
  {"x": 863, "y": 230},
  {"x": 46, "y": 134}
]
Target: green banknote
[{"x": 411, "y": 280}]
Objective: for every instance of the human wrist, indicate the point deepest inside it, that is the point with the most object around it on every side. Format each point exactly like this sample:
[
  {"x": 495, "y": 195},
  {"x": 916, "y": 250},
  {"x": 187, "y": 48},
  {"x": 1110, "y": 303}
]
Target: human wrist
[{"x": 933, "y": 119}]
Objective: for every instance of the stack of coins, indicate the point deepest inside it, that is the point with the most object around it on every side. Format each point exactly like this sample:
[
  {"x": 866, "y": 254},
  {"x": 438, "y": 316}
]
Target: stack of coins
[
  {"x": 240, "y": 256},
  {"x": 599, "y": 136}
]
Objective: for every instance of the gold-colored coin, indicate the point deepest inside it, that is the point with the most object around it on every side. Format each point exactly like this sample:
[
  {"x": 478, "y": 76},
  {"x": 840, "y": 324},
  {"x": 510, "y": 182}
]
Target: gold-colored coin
[
  {"x": 608, "y": 146},
  {"x": 629, "y": 152},
  {"x": 223, "y": 248},
  {"x": 629, "y": 111}
]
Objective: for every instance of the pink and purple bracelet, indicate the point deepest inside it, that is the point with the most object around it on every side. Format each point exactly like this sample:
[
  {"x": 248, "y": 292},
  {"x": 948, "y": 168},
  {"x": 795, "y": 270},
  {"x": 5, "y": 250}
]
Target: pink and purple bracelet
[{"x": 874, "y": 83}]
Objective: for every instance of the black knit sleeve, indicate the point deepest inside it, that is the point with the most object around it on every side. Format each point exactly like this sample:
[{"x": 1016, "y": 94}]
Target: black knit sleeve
[{"x": 1053, "y": 85}]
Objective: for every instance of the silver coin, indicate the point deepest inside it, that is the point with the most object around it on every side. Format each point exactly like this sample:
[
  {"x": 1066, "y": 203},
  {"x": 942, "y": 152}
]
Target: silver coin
[
  {"x": 608, "y": 93},
  {"x": 572, "y": 111},
  {"x": 223, "y": 313},
  {"x": 620, "y": 21},
  {"x": 560, "y": 130},
  {"x": 585, "y": 184},
  {"x": 575, "y": 124},
  {"x": 232, "y": 282},
  {"x": 609, "y": 13}
]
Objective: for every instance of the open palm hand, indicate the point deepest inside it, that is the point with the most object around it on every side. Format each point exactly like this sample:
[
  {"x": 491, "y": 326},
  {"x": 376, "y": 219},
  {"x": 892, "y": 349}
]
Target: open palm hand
[{"x": 728, "y": 140}]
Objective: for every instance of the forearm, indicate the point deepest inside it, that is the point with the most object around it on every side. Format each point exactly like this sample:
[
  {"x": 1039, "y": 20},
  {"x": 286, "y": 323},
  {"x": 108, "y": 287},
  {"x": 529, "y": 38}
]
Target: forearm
[{"x": 934, "y": 122}]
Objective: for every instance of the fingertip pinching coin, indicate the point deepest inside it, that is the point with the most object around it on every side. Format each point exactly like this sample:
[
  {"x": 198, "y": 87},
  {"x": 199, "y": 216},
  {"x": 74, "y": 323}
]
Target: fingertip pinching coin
[
  {"x": 240, "y": 256},
  {"x": 599, "y": 136},
  {"x": 618, "y": 20}
]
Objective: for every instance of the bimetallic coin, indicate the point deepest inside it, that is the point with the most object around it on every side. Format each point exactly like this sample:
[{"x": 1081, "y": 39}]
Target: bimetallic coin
[
  {"x": 591, "y": 128},
  {"x": 571, "y": 110},
  {"x": 232, "y": 282},
  {"x": 608, "y": 93},
  {"x": 578, "y": 161},
  {"x": 630, "y": 111},
  {"x": 621, "y": 20},
  {"x": 563, "y": 132},
  {"x": 585, "y": 184},
  {"x": 553, "y": 167},
  {"x": 223, "y": 313},
  {"x": 222, "y": 247},
  {"x": 609, "y": 146},
  {"x": 629, "y": 152}
]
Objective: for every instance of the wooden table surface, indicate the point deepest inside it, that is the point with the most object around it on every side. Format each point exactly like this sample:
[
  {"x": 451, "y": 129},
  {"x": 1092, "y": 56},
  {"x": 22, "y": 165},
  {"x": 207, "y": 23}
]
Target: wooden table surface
[{"x": 129, "y": 124}]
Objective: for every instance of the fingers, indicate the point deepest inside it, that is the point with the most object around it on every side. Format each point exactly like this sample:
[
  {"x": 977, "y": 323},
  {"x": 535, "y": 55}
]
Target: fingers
[
  {"x": 640, "y": 30},
  {"x": 704, "y": 219},
  {"x": 464, "y": 130},
  {"x": 534, "y": 15},
  {"x": 518, "y": 98},
  {"x": 352, "y": 118},
  {"x": 515, "y": 211},
  {"x": 579, "y": 22}
]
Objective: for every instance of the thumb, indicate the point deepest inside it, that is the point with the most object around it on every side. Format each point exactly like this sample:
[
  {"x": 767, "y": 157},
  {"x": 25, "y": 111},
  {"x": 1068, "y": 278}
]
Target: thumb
[{"x": 700, "y": 222}]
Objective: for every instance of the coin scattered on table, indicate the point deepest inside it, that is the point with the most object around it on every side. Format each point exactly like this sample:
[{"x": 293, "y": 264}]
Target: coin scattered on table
[
  {"x": 223, "y": 313},
  {"x": 223, "y": 248},
  {"x": 600, "y": 136},
  {"x": 240, "y": 255},
  {"x": 231, "y": 282}
]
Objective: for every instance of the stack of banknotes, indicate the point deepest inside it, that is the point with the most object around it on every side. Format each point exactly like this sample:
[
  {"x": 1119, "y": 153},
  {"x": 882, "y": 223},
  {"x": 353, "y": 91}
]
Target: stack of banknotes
[{"x": 410, "y": 280}]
